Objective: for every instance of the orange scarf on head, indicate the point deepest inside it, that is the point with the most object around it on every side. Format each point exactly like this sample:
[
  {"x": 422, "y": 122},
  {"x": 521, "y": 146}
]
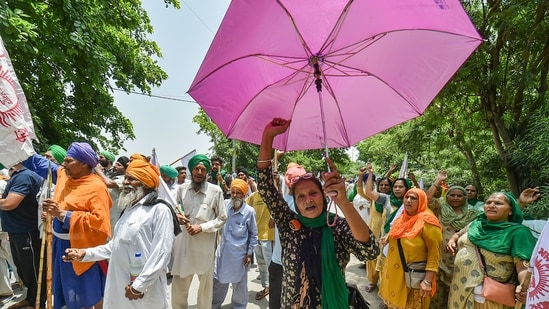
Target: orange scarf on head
[
  {"x": 89, "y": 200},
  {"x": 407, "y": 226}
]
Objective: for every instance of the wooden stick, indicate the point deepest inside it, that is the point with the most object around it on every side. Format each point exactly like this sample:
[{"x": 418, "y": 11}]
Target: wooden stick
[
  {"x": 524, "y": 288},
  {"x": 49, "y": 241},
  {"x": 41, "y": 269}
]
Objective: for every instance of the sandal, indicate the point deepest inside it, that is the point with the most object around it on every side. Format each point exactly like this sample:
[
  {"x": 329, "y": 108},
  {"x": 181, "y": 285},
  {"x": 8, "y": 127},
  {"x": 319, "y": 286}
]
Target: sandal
[
  {"x": 261, "y": 294},
  {"x": 370, "y": 288}
]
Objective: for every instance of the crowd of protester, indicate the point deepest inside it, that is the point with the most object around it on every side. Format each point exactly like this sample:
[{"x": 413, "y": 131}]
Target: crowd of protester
[{"x": 108, "y": 213}]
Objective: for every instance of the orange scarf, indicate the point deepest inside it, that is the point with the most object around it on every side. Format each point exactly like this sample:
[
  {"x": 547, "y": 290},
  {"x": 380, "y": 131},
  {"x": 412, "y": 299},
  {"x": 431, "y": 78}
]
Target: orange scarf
[
  {"x": 89, "y": 200},
  {"x": 407, "y": 226}
]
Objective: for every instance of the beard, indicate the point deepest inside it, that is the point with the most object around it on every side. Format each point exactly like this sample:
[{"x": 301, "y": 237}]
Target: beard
[
  {"x": 197, "y": 186},
  {"x": 129, "y": 197},
  {"x": 237, "y": 202}
]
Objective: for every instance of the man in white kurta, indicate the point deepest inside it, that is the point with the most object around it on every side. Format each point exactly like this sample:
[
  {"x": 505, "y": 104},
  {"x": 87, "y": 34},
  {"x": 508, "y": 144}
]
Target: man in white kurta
[
  {"x": 145, "y": 226},
  {"x": 194, "y": 250}
]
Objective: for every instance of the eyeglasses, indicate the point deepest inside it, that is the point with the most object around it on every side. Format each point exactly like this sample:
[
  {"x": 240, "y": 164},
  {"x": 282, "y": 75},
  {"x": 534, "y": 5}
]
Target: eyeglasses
[{"x": 304, "y": 176}]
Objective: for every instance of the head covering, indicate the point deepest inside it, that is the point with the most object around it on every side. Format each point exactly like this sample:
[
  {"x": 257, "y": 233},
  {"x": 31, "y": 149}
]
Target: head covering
[
  {"x": 507, "y": 237},
  {"x": 409, "y": 226},
  {"x": 145, "y": 172},
  {"x": 84, "y": 153},
  {"x": 108, "y": 155},
  {"x": 169, "y": 171},
  {"x": 138, "y": 156},
  {"x": 242, "y": 170},
  {"x": 240, "y": 185},
  {"x": 294, "y": 170},
  {"x": 199, "y": 158},
  {"x": 448, "y": 215},
  {"x": 124, "y": 161},
  {"x": 58, "y": 153}
]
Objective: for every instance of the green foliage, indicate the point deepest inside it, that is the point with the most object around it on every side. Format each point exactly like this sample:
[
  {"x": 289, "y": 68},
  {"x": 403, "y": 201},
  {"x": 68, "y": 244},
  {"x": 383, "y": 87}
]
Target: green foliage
[
  {"x": 246, "y": 153},
  {"x": 68, "y": 54}
]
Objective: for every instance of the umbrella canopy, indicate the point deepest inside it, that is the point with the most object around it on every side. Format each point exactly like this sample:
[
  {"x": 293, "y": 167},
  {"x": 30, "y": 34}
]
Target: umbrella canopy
[{"x": 380, "y": 62}]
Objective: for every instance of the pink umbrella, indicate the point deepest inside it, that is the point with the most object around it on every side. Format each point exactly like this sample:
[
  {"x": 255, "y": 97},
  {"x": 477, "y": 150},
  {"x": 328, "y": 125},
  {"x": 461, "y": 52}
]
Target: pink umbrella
[{"x": 342, "y": 70}]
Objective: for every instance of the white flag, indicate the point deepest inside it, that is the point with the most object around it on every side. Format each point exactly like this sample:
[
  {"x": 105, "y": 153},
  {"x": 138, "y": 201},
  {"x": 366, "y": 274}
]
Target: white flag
[
  {"x": 404, "y": 167},
  {"x": 185, "y": 159},
  {"x": 16, "y": 127},
  {"x": 538, "y": 293},
  {"x": 154, "y": 158}
]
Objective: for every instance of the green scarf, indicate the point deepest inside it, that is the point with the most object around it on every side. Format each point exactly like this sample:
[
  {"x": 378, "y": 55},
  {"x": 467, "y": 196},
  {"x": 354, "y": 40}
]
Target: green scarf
[
  {"x": 395, "y": 202},
  {"x": 334, "y": 292},
  {"x": 507, "y": 237},
  {"x": 473, "y": 201},
  {"x": 448, "y": 216},
  {"x": 379, "y": 207}
]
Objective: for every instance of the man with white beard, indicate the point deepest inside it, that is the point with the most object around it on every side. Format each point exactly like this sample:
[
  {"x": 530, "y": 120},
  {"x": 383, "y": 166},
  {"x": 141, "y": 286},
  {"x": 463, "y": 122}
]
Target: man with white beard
[
  {"x": 147, "y": 226},
  {"x": 193, "y": 251}
]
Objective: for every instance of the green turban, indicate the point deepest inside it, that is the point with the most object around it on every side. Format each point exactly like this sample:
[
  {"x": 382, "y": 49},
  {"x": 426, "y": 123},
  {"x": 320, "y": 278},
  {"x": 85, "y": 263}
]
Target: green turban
[
  {"x": 168, "y": 170},
  {"x": 58, "y": 152},
  {"x": 108, "y": 155},
  {"x": 199, "y": 158}
]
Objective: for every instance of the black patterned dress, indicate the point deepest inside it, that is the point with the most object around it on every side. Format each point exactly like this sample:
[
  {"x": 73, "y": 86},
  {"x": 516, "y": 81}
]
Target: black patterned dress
[{"x": 301, "y": 287}]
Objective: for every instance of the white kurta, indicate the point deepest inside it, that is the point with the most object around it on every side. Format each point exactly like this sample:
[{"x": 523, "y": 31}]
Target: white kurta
[
  {"x": 195, "y": 254},
  {"x": 145, "y": 229}
]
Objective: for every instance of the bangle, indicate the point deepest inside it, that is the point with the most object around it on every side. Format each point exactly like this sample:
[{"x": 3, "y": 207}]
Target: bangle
[
  {"x": 263, "y": 161},
  {"x": 136, "y": 294},
  {"x": 427, "y": 282}
]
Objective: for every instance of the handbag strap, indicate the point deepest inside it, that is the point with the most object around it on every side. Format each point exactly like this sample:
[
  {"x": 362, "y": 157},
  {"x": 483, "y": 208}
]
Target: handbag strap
[
  {"x": 402, "y": 258},
  {"x": 483, "y": 265}
]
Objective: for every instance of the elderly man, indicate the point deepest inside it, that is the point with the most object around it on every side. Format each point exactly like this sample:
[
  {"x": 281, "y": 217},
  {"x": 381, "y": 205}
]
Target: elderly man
[
  {"x": 146, "y": 226},
  {"x": 80, "y": 206},
  {"x": 169, "y": 174},
  {"x": 56, "y": 154},
  {"x": 234, "y": 254},
  {"x": 193, "y": 252}
]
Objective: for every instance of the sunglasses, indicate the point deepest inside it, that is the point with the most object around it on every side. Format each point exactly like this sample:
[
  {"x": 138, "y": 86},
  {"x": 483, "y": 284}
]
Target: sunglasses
[{"x": 304, "y": 176}]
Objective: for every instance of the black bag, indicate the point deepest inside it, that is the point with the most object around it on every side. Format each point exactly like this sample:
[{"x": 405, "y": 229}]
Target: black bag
[{"x": 356, "y": 301}]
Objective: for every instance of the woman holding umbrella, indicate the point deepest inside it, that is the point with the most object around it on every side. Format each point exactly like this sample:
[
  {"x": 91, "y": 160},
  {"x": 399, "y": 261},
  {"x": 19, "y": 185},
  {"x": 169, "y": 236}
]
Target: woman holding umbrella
[{"x": 315, "y": 253}]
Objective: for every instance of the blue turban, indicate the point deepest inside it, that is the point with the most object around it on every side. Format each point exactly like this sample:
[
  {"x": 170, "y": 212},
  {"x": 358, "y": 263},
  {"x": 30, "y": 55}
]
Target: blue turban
[
  {"x": 84, "y": 153},
  {"x": 199, "y": 158}
]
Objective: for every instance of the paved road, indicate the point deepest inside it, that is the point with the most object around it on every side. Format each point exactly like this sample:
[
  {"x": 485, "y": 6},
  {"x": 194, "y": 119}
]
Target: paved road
[{"x": 353, "y": 275}]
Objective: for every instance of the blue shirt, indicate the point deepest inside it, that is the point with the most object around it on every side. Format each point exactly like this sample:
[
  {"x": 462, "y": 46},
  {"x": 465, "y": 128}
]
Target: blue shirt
[{"x": 23, "y": 218}]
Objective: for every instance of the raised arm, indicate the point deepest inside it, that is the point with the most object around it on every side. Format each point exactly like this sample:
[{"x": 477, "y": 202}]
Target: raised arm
[
  {"x": 442, "y": 176},
  {"x": 334, "y": 182},
  {"x": 272, "y": 129},
  {"x": 370, "y": 193}
]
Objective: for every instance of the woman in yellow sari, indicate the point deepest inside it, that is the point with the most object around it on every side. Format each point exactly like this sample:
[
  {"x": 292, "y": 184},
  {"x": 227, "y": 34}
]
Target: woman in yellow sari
[{"x": 420, "y": 235}]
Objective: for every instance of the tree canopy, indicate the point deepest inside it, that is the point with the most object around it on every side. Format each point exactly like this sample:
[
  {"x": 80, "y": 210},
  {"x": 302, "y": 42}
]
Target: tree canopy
[{"x": 68, "y": 56}]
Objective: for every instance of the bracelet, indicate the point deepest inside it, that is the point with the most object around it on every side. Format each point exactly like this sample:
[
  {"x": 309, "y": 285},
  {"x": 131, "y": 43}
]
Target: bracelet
[
  {"x": 263, "y": 161},
  {"x": 136, "y": 294},
  {"x": 427, "y": 282}
]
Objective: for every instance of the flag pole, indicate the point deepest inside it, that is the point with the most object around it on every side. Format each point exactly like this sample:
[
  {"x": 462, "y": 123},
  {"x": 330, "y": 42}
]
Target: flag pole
[
  {"x": 176, "y": 160},
  {"x": 49, "y": 269},
  {"x": 524, "y": 287}
]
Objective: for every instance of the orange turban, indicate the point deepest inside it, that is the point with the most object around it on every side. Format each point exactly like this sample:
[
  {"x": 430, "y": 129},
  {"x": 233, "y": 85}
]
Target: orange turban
[
  {"x": 145, "y": 172},
  {"x": 240, "y": 185}
]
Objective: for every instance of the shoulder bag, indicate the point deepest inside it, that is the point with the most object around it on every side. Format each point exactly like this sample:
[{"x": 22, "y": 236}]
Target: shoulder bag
[
  {"x": 414, "y": 272},
  {"x": 501, "y": 293}
]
